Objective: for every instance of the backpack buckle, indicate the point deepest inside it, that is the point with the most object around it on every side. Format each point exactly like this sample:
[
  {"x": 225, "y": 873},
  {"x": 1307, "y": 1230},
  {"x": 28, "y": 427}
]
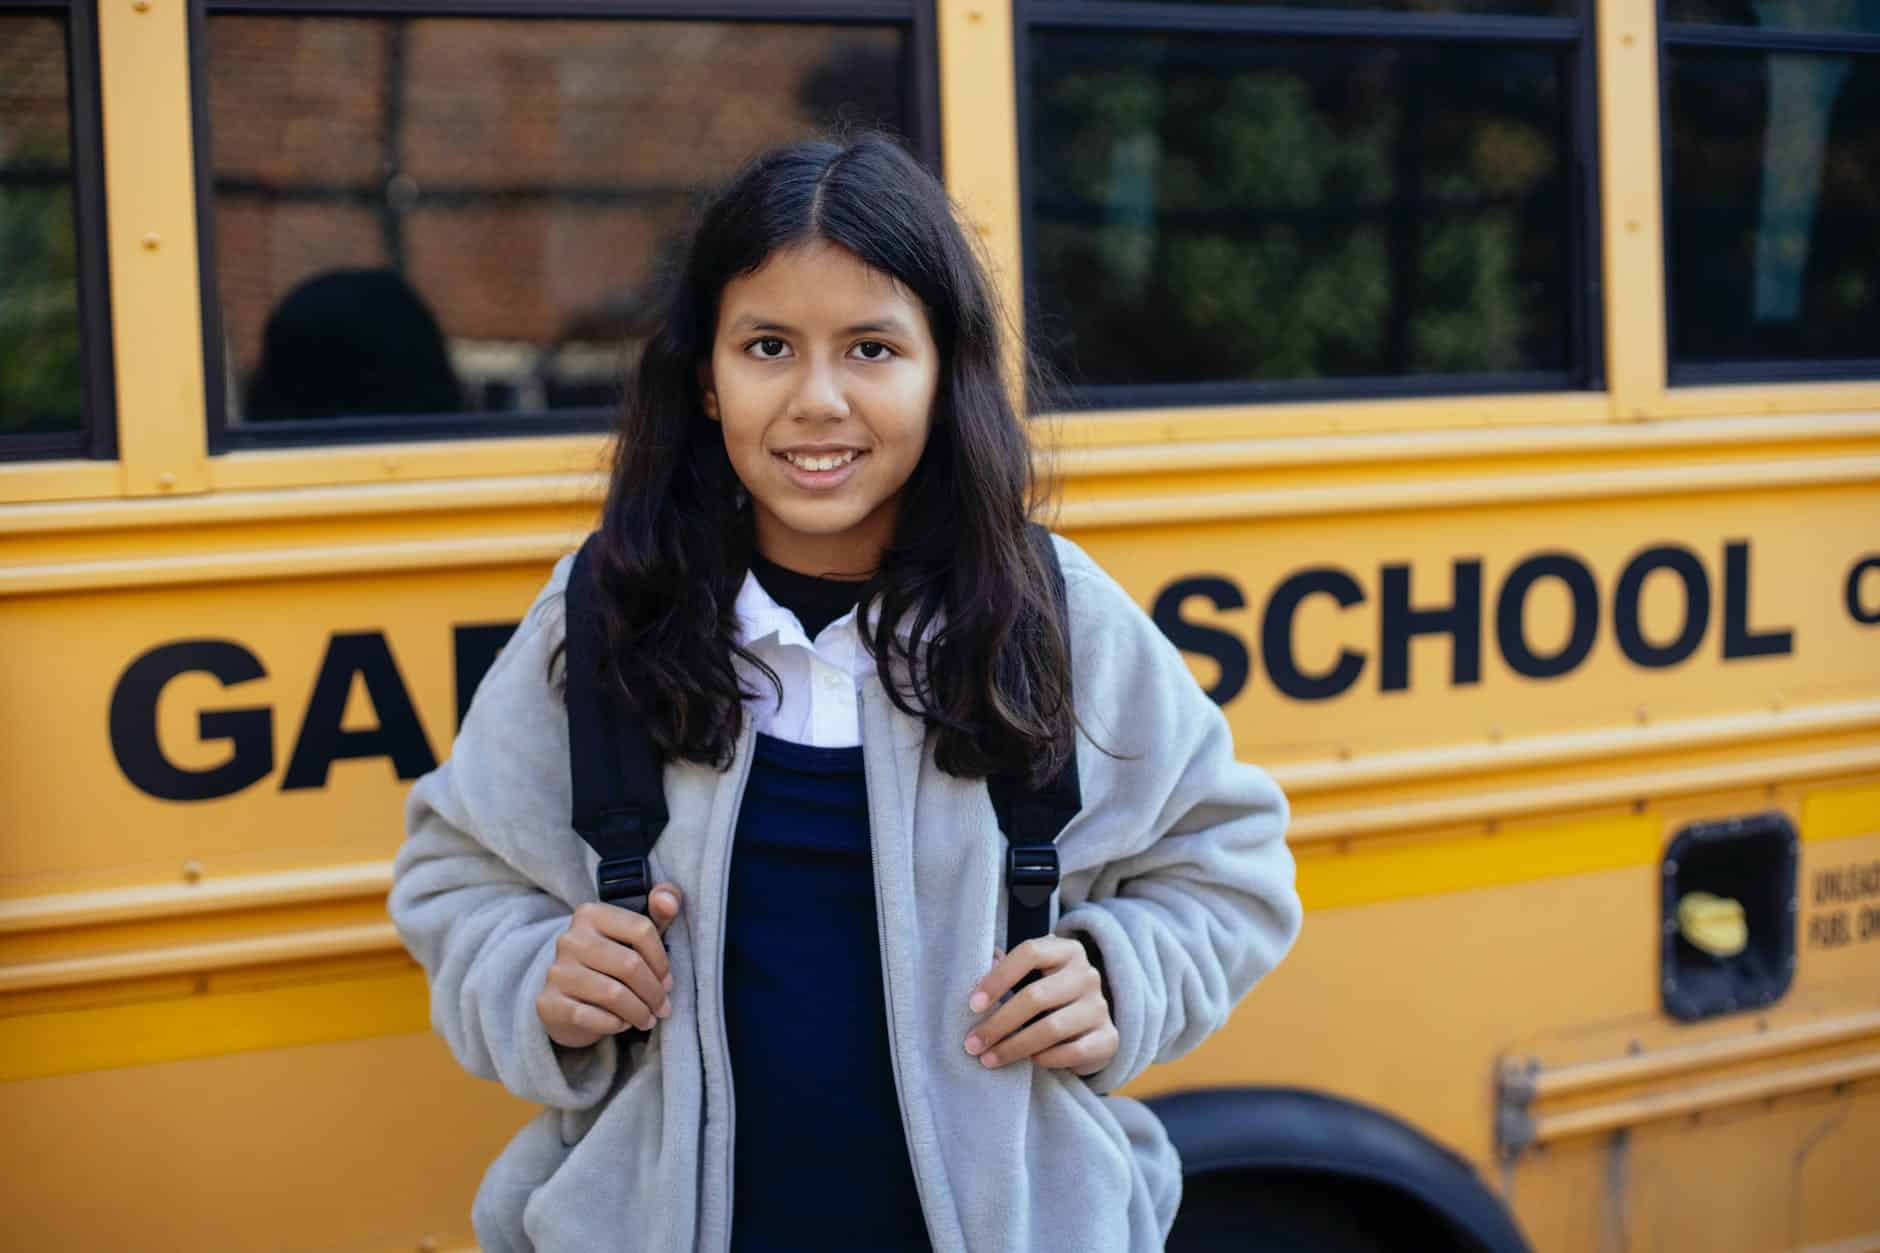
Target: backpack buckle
[
  {"x": 1031, "y": 873},
  {"x": 624, "y": 881}
]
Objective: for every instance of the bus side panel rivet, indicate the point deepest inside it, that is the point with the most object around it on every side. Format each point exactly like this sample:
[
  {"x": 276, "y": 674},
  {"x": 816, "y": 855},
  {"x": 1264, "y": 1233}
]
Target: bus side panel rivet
[
  {"x": 166, "y": 480},
  {"x": 141, "y": 6},
  {"x": 151, "y": 241},
  {"x": 192, "y": 871}
]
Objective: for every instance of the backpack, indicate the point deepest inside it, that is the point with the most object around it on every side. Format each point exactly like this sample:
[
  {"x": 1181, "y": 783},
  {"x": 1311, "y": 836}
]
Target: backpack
[{"x": 620, "y": 803}]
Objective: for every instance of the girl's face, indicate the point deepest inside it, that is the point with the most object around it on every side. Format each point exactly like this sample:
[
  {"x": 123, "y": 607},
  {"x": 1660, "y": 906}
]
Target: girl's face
[{"x": 822, "y": 376}]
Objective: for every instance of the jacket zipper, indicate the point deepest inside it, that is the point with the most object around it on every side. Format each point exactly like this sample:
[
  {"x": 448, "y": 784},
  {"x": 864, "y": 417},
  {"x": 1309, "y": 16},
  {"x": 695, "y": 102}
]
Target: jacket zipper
[
  {"x": 746, "y": 748},
  {"x": 894, "y": 1035}
]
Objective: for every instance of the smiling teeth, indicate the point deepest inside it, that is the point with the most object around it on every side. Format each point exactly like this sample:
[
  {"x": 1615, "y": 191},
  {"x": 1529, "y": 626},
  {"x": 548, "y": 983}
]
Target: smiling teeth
[{"x": 826, "y": 461}]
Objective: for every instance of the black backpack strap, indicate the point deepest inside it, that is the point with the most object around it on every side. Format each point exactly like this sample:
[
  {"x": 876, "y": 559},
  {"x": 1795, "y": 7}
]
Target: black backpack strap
[
  {"x": 1032, "y": 818},
  {"x": 619, "y": 798}
]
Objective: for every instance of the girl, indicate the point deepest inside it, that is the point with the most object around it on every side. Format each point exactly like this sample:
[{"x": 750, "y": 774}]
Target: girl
[{"x": 818, "y": 593}]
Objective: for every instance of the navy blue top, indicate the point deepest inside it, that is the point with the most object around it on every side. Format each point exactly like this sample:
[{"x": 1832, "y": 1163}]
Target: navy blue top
[{"x": 820, "y": 1157}]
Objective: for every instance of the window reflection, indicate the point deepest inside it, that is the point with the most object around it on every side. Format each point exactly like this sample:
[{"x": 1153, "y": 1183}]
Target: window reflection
[
  {"x": 1774, "y": 192},
  {"x": 352, "y": 341},
  {"x": 514, "y": 182},
  {"x": 1797, "y": 15},
  {"x": 40, "y": 366},
  {"x": 1212, "y": 208},
  {"x": 1505, "y": 8}
]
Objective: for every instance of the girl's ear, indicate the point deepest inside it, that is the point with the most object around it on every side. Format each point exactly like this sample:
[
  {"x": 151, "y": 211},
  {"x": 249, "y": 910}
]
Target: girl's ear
[{"x": 708, "y": 395}]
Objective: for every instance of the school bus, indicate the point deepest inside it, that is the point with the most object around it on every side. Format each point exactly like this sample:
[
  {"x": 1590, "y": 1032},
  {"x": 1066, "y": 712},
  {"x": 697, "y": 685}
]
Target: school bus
[{"x": 1484, "y": 394}]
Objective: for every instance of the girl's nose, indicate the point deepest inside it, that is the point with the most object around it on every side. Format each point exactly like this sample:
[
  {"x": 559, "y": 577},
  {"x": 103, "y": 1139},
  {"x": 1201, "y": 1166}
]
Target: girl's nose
[{"x": 819, "y": 397}]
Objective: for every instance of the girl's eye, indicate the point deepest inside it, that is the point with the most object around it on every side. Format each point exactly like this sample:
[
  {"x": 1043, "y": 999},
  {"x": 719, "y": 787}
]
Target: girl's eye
[
  {"x": 873, "y": 350},
  {"x": 769, "y": 348}
]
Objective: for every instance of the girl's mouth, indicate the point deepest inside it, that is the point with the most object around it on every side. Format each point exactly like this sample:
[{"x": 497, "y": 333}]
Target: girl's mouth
[
  {"x": 820, "y": 462},
  {"x": 820, "y": 471}
]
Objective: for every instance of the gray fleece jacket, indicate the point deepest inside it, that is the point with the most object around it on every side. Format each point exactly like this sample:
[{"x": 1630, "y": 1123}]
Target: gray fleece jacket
[{"x": 1176, "y": 869}]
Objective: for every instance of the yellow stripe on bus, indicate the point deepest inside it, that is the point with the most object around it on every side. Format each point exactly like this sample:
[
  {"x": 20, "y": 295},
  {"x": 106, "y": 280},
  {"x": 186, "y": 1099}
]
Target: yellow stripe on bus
[
  {"x": 1839, "y": 813},
  {"x": 36, "y": 1046},
  {"x": 1393, "y": 870}
]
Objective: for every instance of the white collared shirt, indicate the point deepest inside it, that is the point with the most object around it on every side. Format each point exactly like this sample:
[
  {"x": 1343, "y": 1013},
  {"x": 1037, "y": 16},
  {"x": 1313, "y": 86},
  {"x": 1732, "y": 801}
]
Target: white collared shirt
[{"x": 820, "y": 703}]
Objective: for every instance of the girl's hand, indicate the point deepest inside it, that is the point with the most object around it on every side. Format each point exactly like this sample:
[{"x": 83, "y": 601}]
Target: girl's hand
[
  {"x": 610, "y": 971},
  {"x": 1072, "y": 1029}
]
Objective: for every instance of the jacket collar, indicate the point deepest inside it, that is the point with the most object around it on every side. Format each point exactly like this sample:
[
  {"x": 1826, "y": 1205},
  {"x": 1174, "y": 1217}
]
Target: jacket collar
[{"x": 760, "y": 617}]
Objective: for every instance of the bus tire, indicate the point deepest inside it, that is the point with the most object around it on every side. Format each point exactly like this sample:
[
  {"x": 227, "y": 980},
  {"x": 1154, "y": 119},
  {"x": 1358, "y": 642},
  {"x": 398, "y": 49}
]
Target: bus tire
[{"x": 1283, "y": 1169}]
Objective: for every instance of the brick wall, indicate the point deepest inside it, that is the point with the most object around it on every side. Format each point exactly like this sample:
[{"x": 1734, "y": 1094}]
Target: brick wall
[{"x": 540, "y": 165}]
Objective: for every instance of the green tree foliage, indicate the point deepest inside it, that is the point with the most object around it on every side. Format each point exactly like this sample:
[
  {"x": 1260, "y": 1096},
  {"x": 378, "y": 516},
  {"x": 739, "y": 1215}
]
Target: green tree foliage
[
  {"x": 39, "y": 354},
  {"x": 1206, "y": 212}
]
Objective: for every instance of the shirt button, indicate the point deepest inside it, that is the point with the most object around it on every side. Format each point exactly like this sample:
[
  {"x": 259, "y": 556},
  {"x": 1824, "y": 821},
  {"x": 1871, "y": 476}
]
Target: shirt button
[{"x": 831, "y": 680}]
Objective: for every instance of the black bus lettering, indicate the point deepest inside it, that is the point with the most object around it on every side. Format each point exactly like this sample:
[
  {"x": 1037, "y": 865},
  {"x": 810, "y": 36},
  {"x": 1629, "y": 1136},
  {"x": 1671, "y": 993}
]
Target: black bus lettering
[
  {"x": 1276, "y": 634},
  {"x": 474, "y": 649},
  {"x": 1461, "y": 620},
  {"x": 399, "y": 735},
  {"x": 133, "y": 723},
  {"x": 1829, "y": 930},
  {"x": 1511, "y": 615},
  {"x": 1867, "y": 614},
  {"x": 1625, "y": 610},
  {"x": 1739, "y": 640},
  {"x": 1221, "y": 647}
]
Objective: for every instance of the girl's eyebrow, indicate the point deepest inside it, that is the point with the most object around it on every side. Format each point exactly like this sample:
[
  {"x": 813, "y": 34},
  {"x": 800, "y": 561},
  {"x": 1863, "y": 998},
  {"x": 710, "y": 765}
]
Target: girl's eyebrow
[
  {"x": 751, "y": 322},
  {"x": 888, "y": 325}
]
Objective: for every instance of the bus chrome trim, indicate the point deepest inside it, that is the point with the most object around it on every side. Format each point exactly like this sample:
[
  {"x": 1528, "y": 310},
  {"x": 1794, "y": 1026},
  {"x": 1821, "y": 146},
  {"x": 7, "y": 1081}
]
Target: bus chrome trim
[
  {"x": 1459, "y": 493},
  {"x": 1574, "y": 747},
  {"x": 1579, "y": 794},
  {"x": 1702, "y": 1098},
  {"x": 1593, "y": 1076},
  {"x": 179, "y": 900},
  {"x": 183, "y": 959}
]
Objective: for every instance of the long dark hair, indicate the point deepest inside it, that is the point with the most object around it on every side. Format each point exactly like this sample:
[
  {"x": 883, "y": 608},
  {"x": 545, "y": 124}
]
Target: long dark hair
[{"x": 979, "y": 656}]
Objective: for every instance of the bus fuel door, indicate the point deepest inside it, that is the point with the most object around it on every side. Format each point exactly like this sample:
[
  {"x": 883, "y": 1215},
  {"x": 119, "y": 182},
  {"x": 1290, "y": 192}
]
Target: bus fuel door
[{"x": 1728, "y": 915}]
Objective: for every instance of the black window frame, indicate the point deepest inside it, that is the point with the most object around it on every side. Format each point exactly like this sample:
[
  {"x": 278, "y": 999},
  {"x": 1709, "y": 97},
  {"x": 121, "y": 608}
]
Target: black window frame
[
  {"x": 917, "y": 17},
  {"x": 1743, "y": 39},
  {"x": 1576, "y": 35},
  {"x": 96, "y": 437}
]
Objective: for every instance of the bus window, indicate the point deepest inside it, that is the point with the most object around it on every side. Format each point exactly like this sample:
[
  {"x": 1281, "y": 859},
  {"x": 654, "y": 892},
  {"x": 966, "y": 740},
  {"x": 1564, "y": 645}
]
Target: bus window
[
  {"x": 434, "y": 225},
  {"x": 1257, "y": 202},
  {"x": 1772, "y": 182},
  {"x": 45, "y": 405},
  {"x": 1839, "y": 16},
  {"x": 1516, "y": 8}
]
